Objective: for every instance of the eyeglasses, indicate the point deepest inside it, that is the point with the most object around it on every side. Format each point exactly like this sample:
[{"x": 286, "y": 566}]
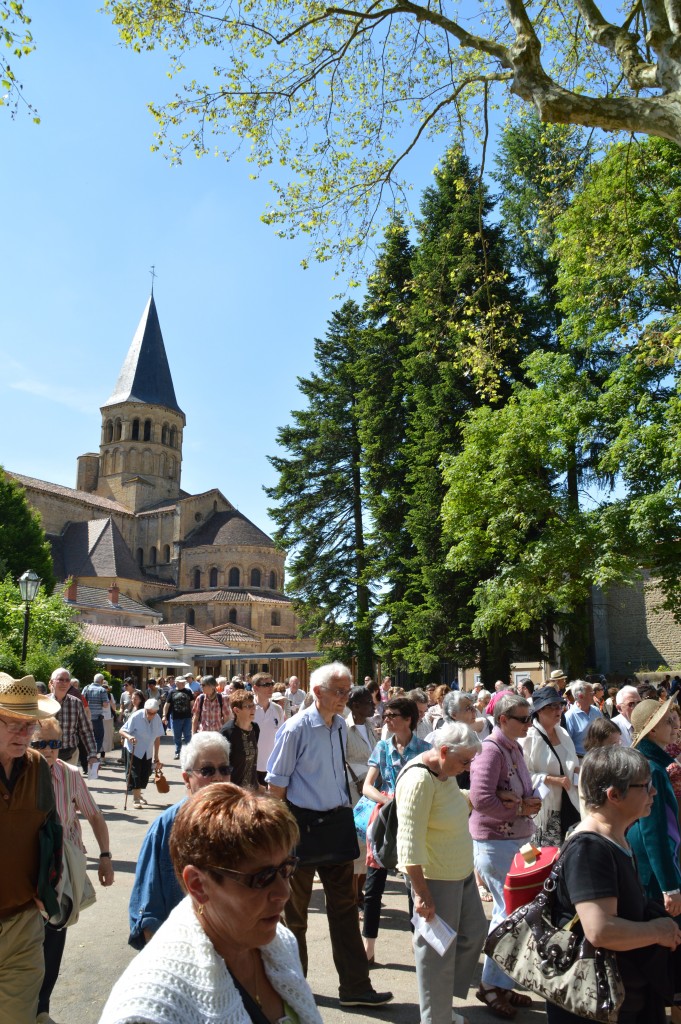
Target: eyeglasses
[
  {"x": 392, "y": 714},
  {"x": 246, "y": 704},
  {"x": 336, "y": 692},
  {"x": 262, "y": 686},
  {"x": 648, "y": 786},
  {"x": 17, "y": 728},
  {"x": 41, "y": 744},
  {"x": 523, "y": 721},
  {"x": 260, "y": 879},
  {"x": 207, "y": 771},
  {"x": 62, "y": 679}
]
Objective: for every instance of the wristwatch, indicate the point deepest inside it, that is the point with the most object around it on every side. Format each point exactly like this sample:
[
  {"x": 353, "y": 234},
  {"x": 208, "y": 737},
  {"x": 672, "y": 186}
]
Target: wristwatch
[
  {"x": 672, "y": 892},
  {"x": 106, "y": 854}
]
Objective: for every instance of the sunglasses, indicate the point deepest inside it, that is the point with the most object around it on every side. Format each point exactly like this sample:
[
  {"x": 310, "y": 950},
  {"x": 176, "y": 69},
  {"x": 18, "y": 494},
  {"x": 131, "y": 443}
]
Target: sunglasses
[
  {"x": 207, "y": 771},
  {"x": 523, "y": 721},
  {"x": 393, "y": 714},
  {"x": 260, "y": 879},
  {"x": 41, "y": 744},
  {"x": 263, "y": 686}
]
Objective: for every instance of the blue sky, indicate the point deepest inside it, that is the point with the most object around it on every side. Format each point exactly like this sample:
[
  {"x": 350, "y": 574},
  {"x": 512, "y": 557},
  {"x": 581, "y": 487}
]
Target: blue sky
[{"x": 87, "y": 209}]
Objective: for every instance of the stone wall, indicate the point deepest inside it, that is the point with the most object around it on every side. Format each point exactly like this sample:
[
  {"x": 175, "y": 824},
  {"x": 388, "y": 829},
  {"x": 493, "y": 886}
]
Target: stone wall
[{"x": 641, "y": 635}]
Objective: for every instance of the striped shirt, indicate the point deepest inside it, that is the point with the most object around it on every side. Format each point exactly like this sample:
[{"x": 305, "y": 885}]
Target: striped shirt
[{"x": 71, "y": 795}]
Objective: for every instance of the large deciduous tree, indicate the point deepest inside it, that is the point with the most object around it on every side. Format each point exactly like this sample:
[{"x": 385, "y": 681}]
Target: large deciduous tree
[
  {"x": 339, "y": 94},
  {"x": 319, "y": 508}
]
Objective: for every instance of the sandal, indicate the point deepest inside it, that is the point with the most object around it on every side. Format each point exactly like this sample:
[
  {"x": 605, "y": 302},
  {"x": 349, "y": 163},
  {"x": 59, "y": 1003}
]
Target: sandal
[
  {"x": 495, "y": 999},
  {"x": 485, "y": 894},
  {"x": 518, "y": 999}
]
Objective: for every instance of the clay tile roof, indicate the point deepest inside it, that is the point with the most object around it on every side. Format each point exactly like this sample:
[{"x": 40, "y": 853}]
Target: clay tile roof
[
  {"x": 180, "y": 633},
  {"x": 126, "y": 636},
  {"x": 69, "y": 492},
  {"x": 229, "y": 527},
  {"x": 98, "y": 597},
  {"x": 145, "y": 376},
  {"x": 232, "y": 634},
  {"x": 235, "y": 595},
  {"x": 96, "y": 548}
]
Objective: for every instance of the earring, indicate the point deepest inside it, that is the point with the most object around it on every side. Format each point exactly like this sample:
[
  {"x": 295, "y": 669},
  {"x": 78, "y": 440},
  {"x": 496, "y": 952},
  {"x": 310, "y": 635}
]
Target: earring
[{"x": 199, "y": 909}]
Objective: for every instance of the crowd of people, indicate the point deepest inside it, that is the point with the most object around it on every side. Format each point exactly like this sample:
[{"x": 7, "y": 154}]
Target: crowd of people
[{"x": 277, "y": 779}]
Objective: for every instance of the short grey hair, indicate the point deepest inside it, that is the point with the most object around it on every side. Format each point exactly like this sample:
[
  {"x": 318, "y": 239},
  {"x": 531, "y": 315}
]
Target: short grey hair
[
  {"x": 615, "y": 766},
  {"x": 323, "y": 675},
  {"x": 456, "y": 736},
  {"x": 451, "y": 705},
  {"x": 201, "y": 743},
  {"x": 483, "y": 695},
  {"x": 507, "y": 703},
  {"x": 419, "y": 695},
  {"x": 99, "y": 678},
  {"x": 626, "y": 691},
  {"x": 579, "y": 687}
]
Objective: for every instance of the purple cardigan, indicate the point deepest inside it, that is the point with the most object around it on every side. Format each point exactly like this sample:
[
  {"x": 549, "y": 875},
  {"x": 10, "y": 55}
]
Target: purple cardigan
[{"x": 499, "y": 765}]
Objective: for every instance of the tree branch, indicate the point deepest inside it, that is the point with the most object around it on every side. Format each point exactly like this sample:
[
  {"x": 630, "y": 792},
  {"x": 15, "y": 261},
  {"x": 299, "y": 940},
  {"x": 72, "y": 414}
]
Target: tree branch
[{"x": 622, "y": 43}]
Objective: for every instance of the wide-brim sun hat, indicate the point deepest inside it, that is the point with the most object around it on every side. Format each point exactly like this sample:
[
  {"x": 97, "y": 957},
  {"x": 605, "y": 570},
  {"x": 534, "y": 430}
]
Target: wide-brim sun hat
[
  {"x": 544, "y": 697},
  {"x": 647, "y": 714},
  {"x": 20, "y": 698}
]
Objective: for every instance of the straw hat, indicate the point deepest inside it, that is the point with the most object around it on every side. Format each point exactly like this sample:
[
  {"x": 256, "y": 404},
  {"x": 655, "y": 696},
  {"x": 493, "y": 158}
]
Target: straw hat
[
  {"x": 647, "y": 715},
  {"x": 556, "y": 675},
  {"x": 20, "y": 698}
]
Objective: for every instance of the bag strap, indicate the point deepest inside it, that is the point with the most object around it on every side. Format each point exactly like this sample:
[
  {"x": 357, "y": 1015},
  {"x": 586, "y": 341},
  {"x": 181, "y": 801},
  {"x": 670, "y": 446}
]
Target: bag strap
[
  {"x": 413, "y": 764},
  {"x": 345, "y": 768},
  {"x": 555, "y": 752}
]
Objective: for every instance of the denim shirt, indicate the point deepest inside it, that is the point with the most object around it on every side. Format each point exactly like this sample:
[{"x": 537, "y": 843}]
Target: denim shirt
[
  {"x": 156, "y": 890},
  {"x": 386, "y": 757}
]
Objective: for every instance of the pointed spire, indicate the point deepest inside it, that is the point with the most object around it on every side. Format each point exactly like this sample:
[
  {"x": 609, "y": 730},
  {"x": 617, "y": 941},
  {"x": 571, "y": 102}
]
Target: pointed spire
[{"x": 145, "y": 376}]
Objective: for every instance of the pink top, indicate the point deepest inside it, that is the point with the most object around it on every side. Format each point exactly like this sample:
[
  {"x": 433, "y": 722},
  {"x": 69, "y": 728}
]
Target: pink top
[{"x": 499, "y": 765}]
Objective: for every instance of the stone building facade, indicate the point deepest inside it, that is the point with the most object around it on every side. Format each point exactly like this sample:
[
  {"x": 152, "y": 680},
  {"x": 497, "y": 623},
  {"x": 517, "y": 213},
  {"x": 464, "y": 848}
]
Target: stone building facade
[{"x": 193, "y": 558}]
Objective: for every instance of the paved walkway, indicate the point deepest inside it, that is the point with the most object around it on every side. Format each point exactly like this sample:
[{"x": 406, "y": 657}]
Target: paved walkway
[{"x": 97, "y": 951}]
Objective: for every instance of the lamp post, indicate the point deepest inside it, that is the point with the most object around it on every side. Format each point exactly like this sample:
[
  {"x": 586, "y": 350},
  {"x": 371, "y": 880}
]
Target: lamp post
[{"x": 28, "y": 585}]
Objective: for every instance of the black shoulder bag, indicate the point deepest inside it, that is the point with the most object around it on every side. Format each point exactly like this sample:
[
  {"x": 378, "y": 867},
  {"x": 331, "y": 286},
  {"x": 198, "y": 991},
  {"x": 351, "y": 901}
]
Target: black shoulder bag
[{"x": 327, "y": 837}]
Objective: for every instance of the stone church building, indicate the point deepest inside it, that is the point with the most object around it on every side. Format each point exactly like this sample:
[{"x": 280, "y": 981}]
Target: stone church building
[{"x": 129, "y": 529}]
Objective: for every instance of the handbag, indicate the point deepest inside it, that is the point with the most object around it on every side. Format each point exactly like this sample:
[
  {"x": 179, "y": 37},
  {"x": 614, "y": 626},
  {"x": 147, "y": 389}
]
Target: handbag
[
  {"x": 525, "y": 879},
  {"x": 555, "y": 962},
  {"x": 162, "y": 784},
  {"x": 326, "y": 837}
]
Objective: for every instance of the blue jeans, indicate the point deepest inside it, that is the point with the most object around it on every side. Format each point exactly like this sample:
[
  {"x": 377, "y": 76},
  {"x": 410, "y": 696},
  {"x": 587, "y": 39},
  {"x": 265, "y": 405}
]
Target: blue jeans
[
  {"x": 98, "y": 730},
  {"x": 182, "y": 730},
  {"x": 493, "y": 858}
]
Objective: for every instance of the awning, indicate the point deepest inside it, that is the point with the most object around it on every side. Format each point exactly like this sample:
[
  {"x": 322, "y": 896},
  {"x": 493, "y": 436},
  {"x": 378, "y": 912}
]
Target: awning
[
  {"x": 119, "y": 659},
  {"x": 274, "y": 655}
]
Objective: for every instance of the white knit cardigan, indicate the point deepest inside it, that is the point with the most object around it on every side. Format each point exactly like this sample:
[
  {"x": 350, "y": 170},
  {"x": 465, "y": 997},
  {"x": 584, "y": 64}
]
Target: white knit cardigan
[{"x": 178, "y": 978}]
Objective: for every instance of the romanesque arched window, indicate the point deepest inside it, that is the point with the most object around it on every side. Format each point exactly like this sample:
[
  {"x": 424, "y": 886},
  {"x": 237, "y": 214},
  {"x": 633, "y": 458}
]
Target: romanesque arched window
[
  {"x": 213, "y": 578},
  {"x": 135, "y": 432},
  {"x": 147, "y": 461},
  {"x": 166, "y": 553},
  {"x": 164, "y": 434},
  {"x": 232, "y": 615},
  {"x": 140, "y": 556},
  {"x": 147, "y": 430},
  {"x": 118, "y": 430},
  {"x": 191, "y": 617},
  {"x": 173, "y": 437},
  {"x": 109, "y": 432},
  {"x": 152, "y": 556},
  {"x": 275, "y": 618},
  {"x": 196, "y": 579},
  {"x": 133, "y": 460},
  {"x": 162, "y": 465},
  {"x": 234, "y": 577},
  {"x": 256, "y": 577},
  {"x": 273, "y": 581},
  {"x": 171, "y": 468}
]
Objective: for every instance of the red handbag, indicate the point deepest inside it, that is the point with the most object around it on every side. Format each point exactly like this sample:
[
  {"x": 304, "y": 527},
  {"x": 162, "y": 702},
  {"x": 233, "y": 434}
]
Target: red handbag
[{"x": 527, "y": 874}]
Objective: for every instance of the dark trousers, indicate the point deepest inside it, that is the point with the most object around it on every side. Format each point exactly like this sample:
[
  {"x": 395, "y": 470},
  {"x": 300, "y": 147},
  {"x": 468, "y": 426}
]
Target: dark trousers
[
  {"x": 341, "y": 910},
  {"x": 652, "y": 1013},
  {"x": 182, "y": 731},
  {"x": 98, "y": 730},
  {"x": 374, "y": 888},
  {"x": 53, "y": 951}
]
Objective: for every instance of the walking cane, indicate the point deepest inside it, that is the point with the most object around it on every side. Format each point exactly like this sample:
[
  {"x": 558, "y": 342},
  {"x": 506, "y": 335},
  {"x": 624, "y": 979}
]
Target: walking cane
[{"x": 128, "y": 778}]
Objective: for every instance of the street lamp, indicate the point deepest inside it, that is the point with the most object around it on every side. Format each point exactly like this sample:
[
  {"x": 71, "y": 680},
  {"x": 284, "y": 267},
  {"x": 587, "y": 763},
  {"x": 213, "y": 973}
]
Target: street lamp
[{"x": 28, "y": 585}]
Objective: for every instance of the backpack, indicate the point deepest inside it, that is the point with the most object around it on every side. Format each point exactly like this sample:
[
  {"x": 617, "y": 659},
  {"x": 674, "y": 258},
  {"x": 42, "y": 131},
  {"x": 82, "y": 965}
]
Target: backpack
[
  {"x": 382, "y": 831},
  {"x": 181, "y": 704}
]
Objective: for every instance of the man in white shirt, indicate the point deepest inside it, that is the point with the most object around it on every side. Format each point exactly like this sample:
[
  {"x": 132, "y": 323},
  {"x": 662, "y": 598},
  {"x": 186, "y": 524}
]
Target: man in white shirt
[
  {"x": 295, "y": 695},
  {"x": 268, "y": 717},
  {"x": 626, "y": 700}
]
